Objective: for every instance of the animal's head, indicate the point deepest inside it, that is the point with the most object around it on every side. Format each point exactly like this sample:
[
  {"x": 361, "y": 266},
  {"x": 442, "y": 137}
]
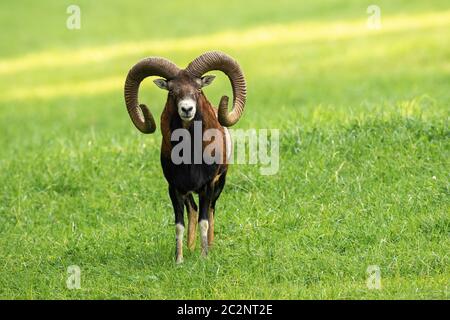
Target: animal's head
[
  {"x": 185, "y": 90},
  {"x": 184, "y": 87}
]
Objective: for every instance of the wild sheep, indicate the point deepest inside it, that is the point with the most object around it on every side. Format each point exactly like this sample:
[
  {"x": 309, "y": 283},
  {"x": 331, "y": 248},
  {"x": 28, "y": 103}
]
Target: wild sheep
[{"x": 187, "y": 106}]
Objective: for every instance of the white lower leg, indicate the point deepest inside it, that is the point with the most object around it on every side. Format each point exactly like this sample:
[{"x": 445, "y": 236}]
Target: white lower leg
[
  {"x": 179, "y": 237},
  {"x": 204, "y": 225}
]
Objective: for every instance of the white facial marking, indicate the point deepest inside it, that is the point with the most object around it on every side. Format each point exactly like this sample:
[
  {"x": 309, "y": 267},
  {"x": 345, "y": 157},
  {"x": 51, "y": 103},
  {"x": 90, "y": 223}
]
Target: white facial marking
[{"x": 186, "y": 109}]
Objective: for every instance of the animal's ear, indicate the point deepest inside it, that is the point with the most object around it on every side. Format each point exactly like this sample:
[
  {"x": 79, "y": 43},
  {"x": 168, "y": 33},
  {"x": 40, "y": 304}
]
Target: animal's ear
[
  {"x": 207, "y": 80},
  {"x": 161, "y": 83}
]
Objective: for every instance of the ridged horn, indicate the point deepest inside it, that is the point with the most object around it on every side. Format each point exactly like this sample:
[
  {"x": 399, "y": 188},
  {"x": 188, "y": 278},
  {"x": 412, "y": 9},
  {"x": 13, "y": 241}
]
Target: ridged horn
[
  {"x": 153, "y": 66},
  {"x": 216, "y": 60}
]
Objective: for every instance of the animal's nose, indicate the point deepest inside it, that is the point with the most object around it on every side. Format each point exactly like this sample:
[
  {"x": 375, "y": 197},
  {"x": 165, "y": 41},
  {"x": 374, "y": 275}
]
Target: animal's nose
[{"x": 187, "y": 109}]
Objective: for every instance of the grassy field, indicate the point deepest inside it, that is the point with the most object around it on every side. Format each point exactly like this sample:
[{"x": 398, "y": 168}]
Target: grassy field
[{"x": 364, "y": 151}]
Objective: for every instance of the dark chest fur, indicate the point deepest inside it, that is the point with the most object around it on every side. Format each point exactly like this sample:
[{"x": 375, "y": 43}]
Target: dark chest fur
[{"x": 190, "y": 176}]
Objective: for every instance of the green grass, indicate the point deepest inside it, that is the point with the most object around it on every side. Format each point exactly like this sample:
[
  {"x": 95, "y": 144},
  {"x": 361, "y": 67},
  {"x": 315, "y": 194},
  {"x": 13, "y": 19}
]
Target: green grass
[{"x": 364, "y": 149}]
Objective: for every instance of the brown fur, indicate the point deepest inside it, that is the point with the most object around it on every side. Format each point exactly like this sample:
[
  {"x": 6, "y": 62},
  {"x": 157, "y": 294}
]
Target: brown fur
[{"x": 210, "y": 121}]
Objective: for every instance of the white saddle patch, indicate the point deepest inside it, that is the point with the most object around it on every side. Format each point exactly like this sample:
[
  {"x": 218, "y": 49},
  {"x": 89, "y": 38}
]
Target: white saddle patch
[{"x": 227, "y": 143}]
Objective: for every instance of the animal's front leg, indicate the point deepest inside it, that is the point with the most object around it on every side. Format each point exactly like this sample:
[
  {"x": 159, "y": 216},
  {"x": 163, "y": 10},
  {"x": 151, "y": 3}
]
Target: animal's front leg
[
  {"x": 205, "y": 197},
  {"x": 178, "y": 207}
]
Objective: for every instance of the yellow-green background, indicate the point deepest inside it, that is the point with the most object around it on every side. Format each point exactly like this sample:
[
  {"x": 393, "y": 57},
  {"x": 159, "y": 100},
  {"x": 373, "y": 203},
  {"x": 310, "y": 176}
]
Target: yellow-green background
[{"x": 364, "y": 151}]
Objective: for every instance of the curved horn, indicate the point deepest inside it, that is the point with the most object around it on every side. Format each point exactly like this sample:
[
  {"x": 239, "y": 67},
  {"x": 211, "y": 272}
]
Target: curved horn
[
  {"x": 215, "y": 60},
  {"x": 139, "y": 113}
]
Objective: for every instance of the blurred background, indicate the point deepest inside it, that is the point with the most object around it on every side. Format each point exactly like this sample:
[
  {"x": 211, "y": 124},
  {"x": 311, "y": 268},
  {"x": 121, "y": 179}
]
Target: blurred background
[
  {"x": 321, "y": 57},
  {"x": 79, "y": 184}
]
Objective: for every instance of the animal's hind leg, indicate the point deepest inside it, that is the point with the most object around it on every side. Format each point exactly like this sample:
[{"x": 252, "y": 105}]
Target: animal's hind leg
[
  {"x": 192, "y": 212},
  {"x": 211, "y": 227},
  {"x": 177, "y": 202},
  {"x": 217, "y": 191}
]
